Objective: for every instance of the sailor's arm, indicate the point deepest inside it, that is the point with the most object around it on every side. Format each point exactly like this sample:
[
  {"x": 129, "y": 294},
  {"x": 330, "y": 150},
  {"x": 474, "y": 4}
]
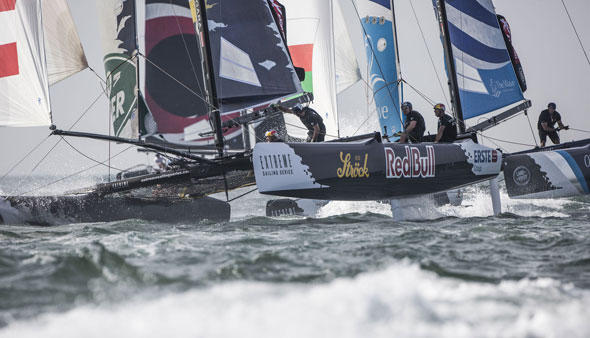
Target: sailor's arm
[
  {"x": 560, "y": 124},
  {"x": 546, "y": 127},
  {"x": 411, "y": 127},
  {"x": 316, "y": 132},
  {"x": 439, "y": 135},
  {"x": 284, "y": 109}
]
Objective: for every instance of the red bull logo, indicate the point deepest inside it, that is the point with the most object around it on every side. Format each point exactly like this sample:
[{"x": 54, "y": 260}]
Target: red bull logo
[{"x": 413, "y": 164}]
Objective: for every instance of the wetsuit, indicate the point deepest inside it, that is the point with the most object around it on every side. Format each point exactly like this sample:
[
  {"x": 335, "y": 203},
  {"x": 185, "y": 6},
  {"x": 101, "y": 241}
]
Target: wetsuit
[
  {"x": 450, "y": 133},
  {"x": 551, "y": 120},
  {"x": 416, "y": 134},
  {"x": 311, "y": 119}
]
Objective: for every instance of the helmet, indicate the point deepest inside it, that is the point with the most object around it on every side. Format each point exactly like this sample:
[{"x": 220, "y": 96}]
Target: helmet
[
  {"x": 271, "y": 133},
  {"x": 439, "y": 106},
  {"x": 407, "y": 104},
  {"x": 552, "y": 105}
]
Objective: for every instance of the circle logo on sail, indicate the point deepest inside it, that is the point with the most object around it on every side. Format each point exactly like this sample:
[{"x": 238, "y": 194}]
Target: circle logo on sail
[
  {"x": 381, "y": 44},
  {"x": 587, "y": 160},
  {"x": 521, "y": 175}
]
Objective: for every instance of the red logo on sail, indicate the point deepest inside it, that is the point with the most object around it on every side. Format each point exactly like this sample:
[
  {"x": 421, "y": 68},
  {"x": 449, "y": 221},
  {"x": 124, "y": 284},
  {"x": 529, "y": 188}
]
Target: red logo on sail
[
  {"x": 413, "y": 164},
  {"x": 8, "y": 51}
]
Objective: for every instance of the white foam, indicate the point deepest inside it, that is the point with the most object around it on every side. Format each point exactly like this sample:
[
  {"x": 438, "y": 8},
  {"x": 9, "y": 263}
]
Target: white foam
[
  {"x": 334, "y": 208},
  {"x": 399, "y": 301}
]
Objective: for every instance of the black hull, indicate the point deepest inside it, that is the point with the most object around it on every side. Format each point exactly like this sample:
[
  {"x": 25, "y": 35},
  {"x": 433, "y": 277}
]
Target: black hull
[
  {"x": 370, "y": 170},
  {"x": 55, "y": 210}
]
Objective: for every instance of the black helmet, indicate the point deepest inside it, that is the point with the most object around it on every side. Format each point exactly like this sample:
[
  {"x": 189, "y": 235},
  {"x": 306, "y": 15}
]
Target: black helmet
[
  {"x": 407, "y": 104},
  {"x": 297, "y": 108},
  {"x": 552, "y": 105}
]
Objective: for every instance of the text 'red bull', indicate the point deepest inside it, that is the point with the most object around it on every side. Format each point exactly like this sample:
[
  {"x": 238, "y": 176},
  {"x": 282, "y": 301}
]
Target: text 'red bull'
[{"x": 411, "y": 165}]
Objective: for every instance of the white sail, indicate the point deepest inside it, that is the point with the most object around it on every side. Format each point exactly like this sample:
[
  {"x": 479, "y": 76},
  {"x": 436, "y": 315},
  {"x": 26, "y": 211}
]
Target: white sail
[
  {"x": 24, "y": 87},
  {"x": 347, "y": 67},
  {"x": 64, "y": 52},
  {"x": 309, "y": 23}
]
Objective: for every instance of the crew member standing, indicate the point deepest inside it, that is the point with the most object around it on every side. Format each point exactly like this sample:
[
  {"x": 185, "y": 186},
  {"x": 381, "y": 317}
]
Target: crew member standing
[
  {"x": 414, "y": 126},
  {"x": 447, "y": 126},
  {"x": 316, "y": 130},
  {"x": 546, "y": 124}
]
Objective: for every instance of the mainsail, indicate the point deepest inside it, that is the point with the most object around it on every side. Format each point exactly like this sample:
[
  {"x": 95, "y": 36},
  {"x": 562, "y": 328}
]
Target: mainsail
[
  {"x": 377, "y": 22},
  {"x": 484, "y": 73},
  {"x": 118, "y": 33}
]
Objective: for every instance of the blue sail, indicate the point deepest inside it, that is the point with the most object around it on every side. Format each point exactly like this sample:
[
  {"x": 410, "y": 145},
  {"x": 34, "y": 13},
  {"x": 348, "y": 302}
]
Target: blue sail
[
  {"x": 485, "y": 74},
  {"x": 377, "y": 21}
]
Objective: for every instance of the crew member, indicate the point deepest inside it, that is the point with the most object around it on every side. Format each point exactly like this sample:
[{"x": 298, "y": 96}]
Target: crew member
[
  {"x": 414, "y": 126},
  {"x": 316, "y": 130},
  {"x": 546, "y": 124},
  {"x": 272, "y": 136},
  {"x": 161, "y": 163},
  {"x": 447, "y": 126}
]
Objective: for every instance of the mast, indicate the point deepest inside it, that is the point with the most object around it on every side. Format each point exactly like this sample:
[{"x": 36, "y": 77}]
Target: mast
[
  {"x": 450, "y": 63},
  {"x": 199, "y": 12},
  {"x": 400, "y": 84}
]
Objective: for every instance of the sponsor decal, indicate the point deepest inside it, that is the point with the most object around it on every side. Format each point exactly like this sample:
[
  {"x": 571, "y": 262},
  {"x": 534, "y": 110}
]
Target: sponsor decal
[
  {"x": 587, "y": 161},
  {"x": 413, "y": 164},
  {"x": 275, "y": 164},
  {"x": 521, "y": 175},
  {"x": 485, "y": 156},
  {"x": 8, "y": 49},
  {"x": 353, "y": 170}
]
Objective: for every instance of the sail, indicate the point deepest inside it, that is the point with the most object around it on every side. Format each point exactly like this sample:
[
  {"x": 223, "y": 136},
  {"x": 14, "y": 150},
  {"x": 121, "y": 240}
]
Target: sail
[
  {"x": 118, "y": 34},
  {"x": 64, "y": 52},
  {"x": 377, "y": 20},
  {"x": 173, "y": 76},
  {"x": 24, "y": 87},
  {"x": 251, "y": 62},
  {"x": 346, "y": 65},
  {"x": 507, "y": 34},
  {"x": 311, "y": 43},
  {"x": 485, "y": 75}
]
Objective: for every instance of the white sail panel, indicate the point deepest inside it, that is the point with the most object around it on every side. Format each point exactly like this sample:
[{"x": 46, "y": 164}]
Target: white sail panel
[
  {"x": 24, "y": 89},
  {"x": 65, "y": 55},
  {"x": 313, "y": 13},
  {"x": 347, "y": 68}
]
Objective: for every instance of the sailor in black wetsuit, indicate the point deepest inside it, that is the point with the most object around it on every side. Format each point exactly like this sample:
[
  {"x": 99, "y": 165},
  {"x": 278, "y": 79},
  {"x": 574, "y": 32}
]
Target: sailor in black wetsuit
[
  {"x": 316, "y": 130},
  {"x": 546, "y": 124},
  {"x": 414, "y": 126},
  {"x": 447, "y": 126}
]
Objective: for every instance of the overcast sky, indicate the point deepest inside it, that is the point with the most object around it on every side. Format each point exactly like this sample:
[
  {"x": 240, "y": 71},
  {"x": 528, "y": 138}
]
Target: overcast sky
[{"x": 555, "y": 67}]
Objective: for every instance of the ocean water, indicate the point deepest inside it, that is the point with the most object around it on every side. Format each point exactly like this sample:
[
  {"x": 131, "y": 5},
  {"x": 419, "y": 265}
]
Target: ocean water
[{"x": 349, "y": 271}]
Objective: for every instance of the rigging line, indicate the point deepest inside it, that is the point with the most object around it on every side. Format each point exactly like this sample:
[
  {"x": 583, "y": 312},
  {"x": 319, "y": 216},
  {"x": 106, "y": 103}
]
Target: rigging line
[
  {"x": 72, "y": 175},
  {"x": 90, "y": 158},
  {"x": 186, "y": 46},
  {"x": 426, "y": 98},
  {"x": 242, "y": 195},
  {"x": 24, "y": 158},
  {"x": 584, "y": 131},
  {"x": 376, "y": 60},
  {"x": 429, "y": 54},
  {"x": 496, "y": 144},
  {"x": 576, "y": 31},
  {"x": 72, "y": 126},
  {"x": 176, "y": 80},
  {"x": 361, "y": 125},
  {"x": 532, "y": 132},
  {"x": 504, "y": 141},
  {"x": 295, "y": 126}
]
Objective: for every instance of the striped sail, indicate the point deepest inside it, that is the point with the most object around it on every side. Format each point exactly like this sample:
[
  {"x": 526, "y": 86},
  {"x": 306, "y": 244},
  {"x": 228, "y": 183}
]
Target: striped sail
[
  {"x": 377, "y": 21},
  {"x": 485, "y": 74}
]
